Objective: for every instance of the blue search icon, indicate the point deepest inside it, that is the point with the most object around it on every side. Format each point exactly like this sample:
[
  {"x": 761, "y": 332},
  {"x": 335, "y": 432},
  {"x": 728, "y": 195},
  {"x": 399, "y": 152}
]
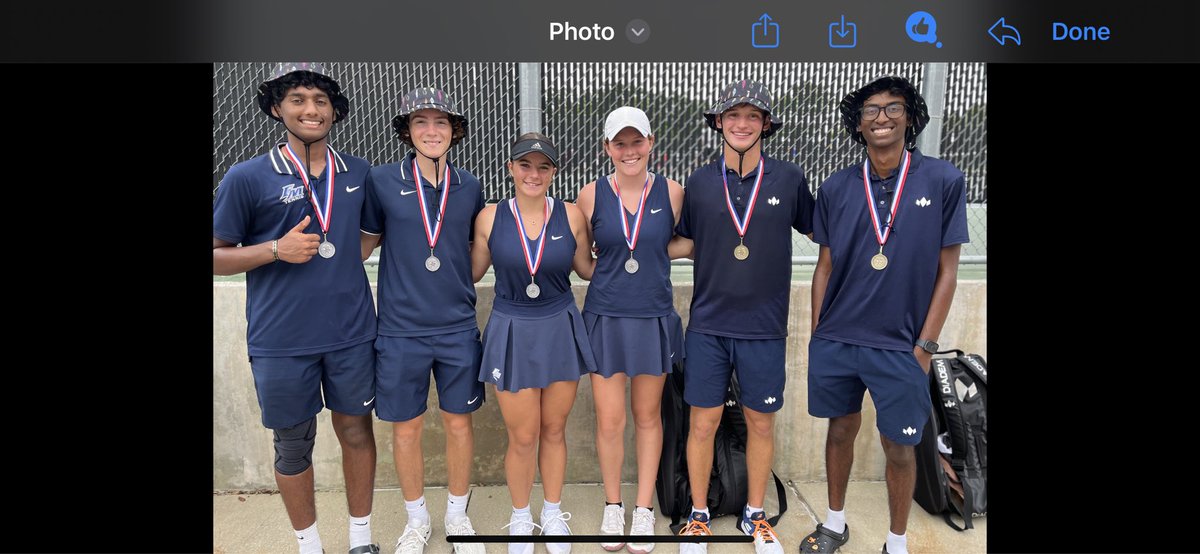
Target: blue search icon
[{"x": 922, "y": 27}]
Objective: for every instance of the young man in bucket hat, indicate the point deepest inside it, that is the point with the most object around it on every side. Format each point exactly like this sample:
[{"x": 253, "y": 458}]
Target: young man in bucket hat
[
  {"x": 890, "y": 228},
  {"x": 426, "y": 209},
  {"x": 739, "y": 216},
  {"x": 289, "y": 219}
]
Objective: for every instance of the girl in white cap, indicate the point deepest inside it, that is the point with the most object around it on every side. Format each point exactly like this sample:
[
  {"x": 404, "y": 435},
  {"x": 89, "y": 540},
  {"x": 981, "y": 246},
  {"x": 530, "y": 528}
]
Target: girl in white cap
[{"x": 631, "y": 321}]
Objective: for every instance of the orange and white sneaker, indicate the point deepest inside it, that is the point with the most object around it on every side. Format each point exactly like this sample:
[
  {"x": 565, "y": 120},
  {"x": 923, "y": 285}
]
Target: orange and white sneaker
[
  {"x": 697, "y": 525},
  {"x": 765, "y": 541}
]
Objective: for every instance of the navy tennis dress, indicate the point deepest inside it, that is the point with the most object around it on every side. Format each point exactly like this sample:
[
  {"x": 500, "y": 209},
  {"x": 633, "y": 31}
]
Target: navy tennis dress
[
  {"x": 532, "y": 342},
  {"x": 630, "y": 318}
]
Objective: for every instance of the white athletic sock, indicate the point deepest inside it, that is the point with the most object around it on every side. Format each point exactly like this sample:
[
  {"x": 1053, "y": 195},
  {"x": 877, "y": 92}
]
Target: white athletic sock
[
  {"x": 835, "y": 521},
  {"x": 456, "y": 508},
  {"x": 360, "y": 531},
  {"x": 551, "y": 508},
  {"x": 418, "y": 514},
  {"x": 897, "y": 544},
  {"x": 310, "y": 541}
]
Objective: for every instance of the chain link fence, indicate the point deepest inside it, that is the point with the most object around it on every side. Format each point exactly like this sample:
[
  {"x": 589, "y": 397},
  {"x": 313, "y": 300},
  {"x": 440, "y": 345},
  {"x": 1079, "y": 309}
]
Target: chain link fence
[{"x": 576, "y": 97}]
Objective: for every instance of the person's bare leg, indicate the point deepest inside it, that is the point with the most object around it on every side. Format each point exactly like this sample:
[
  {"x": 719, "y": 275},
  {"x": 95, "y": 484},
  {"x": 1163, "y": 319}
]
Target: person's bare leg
[
  {"x": 358, "y": 460},
  {"x": 647, "y": 420},
  {"x": 609, "y": 398},
  {"x": 701, "y": 433}
]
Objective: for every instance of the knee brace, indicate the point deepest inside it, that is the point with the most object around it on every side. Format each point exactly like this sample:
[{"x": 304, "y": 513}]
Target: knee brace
[{"x": 294, "y": 446}]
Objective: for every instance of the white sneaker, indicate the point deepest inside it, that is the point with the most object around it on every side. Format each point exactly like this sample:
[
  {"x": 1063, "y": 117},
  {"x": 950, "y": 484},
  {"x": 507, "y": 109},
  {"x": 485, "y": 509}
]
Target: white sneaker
[
  {"x": 697, "y": 525},
  {"x": 464, "y": 528},
  {"x": 555, "y": 523},
  {"x": 765, "y": 541},
  {"x": 613, "y": 524},
  {"x": 413, "y": 540},
  {"x": 643, "y": 524},
  {"x": 520, "y": 525}
]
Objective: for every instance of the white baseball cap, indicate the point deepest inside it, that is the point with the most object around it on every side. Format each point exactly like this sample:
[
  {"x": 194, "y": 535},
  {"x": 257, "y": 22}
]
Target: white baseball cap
[{"x": 626, "y": 116}]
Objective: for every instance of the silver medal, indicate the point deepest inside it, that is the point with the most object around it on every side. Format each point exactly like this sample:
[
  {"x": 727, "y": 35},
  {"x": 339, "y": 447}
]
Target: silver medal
[
  {"x": 432, "y": 263},
  {"x": 533, "y": 290},
  {"x": 326, "y": 250},
  {"x": 631, "y": 265}
]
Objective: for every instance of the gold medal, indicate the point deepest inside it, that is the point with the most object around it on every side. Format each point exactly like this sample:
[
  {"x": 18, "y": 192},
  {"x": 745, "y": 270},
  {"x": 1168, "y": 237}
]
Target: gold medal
[
  {"x": 878, "y": 262},
  {"x": 741, "y": 252}
]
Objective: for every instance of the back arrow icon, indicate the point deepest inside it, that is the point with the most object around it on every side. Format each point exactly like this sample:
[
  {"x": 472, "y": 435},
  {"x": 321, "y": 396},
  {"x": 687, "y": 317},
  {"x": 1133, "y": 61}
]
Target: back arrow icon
[{"x": 1001, "y": 32}]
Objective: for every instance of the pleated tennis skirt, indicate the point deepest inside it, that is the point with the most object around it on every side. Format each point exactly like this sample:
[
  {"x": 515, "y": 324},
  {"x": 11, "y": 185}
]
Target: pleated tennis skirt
[
  {"x": 634, "y": 345},
  {"x": 531, "y": 351}
]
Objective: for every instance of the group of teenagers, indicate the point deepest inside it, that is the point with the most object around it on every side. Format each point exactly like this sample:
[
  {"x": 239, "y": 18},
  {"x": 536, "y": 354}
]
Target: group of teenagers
[{"x": 300, "y": 219}]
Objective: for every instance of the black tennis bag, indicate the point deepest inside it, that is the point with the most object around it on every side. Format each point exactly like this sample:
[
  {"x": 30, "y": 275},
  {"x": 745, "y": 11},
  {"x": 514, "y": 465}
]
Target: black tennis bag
[
  {"x": 727, "y": 484},
  {"x": 955, "y": 484}
]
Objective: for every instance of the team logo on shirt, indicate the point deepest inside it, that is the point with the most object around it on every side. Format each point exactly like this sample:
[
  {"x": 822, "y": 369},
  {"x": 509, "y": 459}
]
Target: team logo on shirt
[
  {"x": 922, "y": 202},
  {"x": 291, "y": 193},
  {"x": 773, "y": 201}
]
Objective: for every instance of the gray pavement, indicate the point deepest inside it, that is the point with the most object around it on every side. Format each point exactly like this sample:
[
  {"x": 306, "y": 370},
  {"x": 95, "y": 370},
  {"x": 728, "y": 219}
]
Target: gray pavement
[{"x": 258, "y": 523}]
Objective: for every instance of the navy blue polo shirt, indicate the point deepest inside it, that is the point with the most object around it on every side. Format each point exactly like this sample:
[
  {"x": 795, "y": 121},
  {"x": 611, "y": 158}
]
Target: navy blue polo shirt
[
  {"x": 886, "y": 309},
  {"x": 299, "y": 309},
  {"x": 744, "y": 299},
  {"x": 413, "y": 301}
]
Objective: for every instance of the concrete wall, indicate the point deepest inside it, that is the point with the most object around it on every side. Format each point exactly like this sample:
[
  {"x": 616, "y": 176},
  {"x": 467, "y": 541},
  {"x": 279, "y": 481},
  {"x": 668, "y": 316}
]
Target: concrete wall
[{"x": 243, "y": 457}]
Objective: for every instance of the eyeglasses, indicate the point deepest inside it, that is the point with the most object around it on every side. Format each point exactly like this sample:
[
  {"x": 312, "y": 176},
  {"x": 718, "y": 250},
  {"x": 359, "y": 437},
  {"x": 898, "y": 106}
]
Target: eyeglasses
[{"x": 891, "y": 110}]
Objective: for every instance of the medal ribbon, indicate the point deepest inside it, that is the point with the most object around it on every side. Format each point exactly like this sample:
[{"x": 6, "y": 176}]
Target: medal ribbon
[
  {"x": 632, "y": 239},
  {"x": 432, "y": 230},
  {"x": 738, "y": 224},
  {"x": 531, "y": 262},
  {"x": 881, "y": 235},
  {"x": 322, "y": 217}
]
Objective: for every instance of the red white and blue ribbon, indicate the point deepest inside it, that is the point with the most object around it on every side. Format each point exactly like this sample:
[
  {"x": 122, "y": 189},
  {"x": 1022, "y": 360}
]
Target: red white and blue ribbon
[
  {"x": 631, "y": 239},
  {"x": 433, "y": 230},
  {"x": 883, "y": 231},
  {"x": 532, "y": 261},
  {"x": 322, "y": 216},
  {"x": 738, "y": 223}
]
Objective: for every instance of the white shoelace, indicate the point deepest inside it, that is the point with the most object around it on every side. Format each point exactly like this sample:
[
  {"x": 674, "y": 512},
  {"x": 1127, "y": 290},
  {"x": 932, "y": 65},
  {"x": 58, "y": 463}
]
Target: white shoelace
[
  {"x": 463, "y": 528},
  {"x": 614, "y": 520},
  {"x": 416, "y": 542},
  {"x": 523, "y": 521},
  {"x": 643, "y": 523},
  {"x": 560, "y": 517}
]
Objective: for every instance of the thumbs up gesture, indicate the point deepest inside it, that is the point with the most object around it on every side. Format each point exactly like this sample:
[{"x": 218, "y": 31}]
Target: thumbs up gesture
[{"x": 296, "y": 246}]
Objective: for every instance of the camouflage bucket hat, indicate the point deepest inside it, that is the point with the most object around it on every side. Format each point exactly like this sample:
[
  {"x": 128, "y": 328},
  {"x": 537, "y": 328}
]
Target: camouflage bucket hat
[
  {"x": 341, "y": 104},
  {"x": 918, "y": 113},
  {"x": 426, "y": 98},
  {"x": 744, "y": 92}
]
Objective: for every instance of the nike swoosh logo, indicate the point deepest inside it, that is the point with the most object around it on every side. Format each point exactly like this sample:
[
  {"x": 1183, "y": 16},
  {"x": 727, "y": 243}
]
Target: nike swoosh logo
[
  {"x": 406, "y": 192},
  {"x": 552, "y": 237},
  {"x": 656, "y": 211},
  {"x": 348, "y": 189},
  {"x": 368, "y": 403},
  {"x": 472, "y": 401}
]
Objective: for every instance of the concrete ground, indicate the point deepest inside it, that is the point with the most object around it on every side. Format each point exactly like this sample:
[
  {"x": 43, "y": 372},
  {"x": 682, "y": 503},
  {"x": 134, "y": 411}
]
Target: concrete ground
[{"x": 258, "y": 523}]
